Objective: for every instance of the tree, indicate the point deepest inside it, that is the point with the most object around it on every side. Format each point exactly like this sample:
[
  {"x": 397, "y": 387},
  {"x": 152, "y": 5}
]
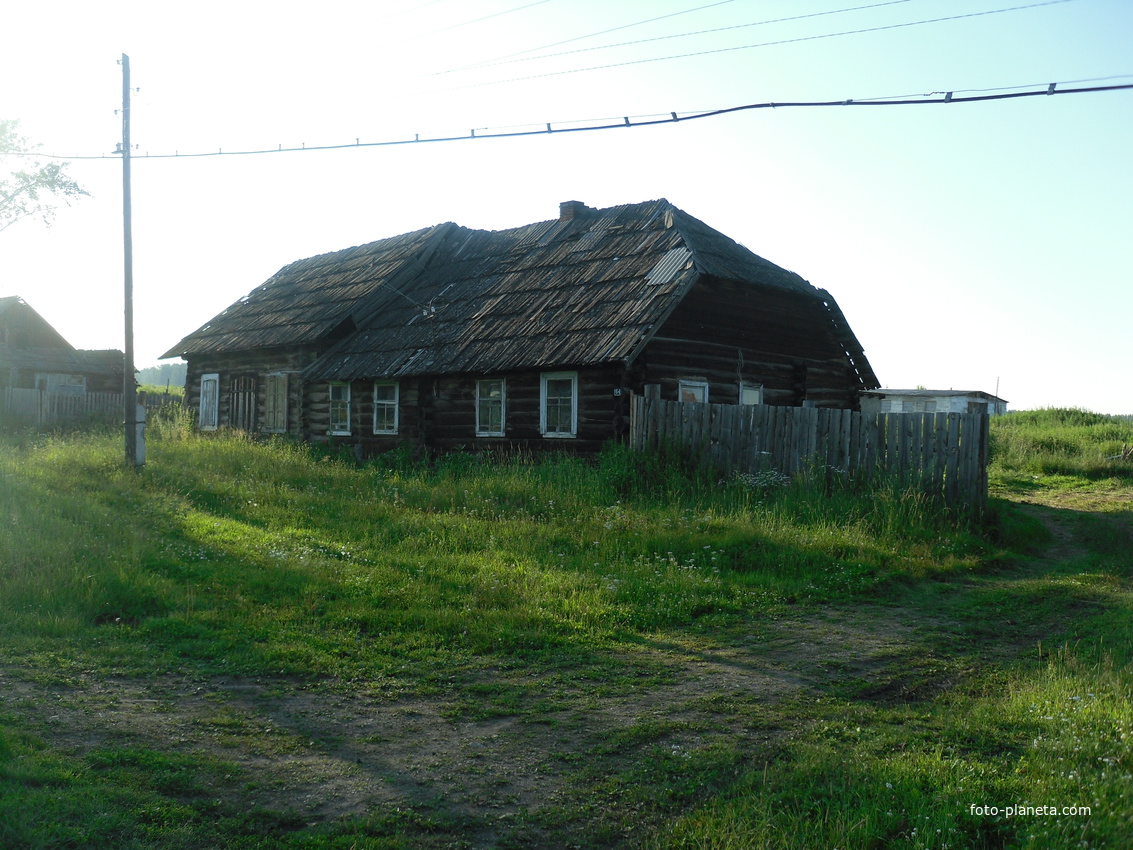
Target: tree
[{"x": 35, "y": 189}]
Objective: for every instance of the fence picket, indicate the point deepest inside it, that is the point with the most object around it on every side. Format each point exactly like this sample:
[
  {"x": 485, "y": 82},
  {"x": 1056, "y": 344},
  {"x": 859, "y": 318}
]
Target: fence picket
[
  {"x": 43, "y": 409},
  {"x": 945, "y": 454},
  {"x": 952, "y": 466}
]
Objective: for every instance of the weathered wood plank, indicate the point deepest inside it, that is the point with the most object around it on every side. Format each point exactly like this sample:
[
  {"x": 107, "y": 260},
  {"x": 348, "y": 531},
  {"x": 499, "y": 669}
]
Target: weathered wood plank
[
  {"x": 951, "y": 480},
  {"x": 945, "y": 454}
]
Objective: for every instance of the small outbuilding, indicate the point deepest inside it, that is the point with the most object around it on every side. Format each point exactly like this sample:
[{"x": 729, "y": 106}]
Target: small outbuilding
[
  {"x": 34, "y": 356},
  {"x": 525, "y": 338},
  {"x": 932, "y": 401}
]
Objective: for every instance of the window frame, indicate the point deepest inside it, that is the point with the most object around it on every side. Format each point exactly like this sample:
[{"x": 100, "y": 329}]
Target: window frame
[
  {"x": 385, "y": 404},
  {"x": 756, "y": 388},
  {"x": 481, "y": 399},
  {"x": 692, "y": 384},
  {"x": 205, "y": 421},
  {"x": 59, "y": 383},
  {"x": 275, "y": 412},
  {"x": 332, "y": 402},
  {"x": 544, "y": 379}
]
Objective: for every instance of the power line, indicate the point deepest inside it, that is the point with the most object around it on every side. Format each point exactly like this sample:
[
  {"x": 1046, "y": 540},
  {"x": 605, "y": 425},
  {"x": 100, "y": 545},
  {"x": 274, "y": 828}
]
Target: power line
[
  {"x": 508, "y": 60},
  {"x": 409, "y": 10},
  {"x": 500, "y": 59},
  {"x": 484, "y": 18},
  {"x": 931, "y": 99},
  {"x": 764, "y": 44},
  {"x": 1008, "y": 88}
]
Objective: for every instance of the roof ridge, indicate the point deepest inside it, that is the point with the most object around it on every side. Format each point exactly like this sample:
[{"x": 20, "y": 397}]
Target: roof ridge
[{"x": 592, "y": 286}]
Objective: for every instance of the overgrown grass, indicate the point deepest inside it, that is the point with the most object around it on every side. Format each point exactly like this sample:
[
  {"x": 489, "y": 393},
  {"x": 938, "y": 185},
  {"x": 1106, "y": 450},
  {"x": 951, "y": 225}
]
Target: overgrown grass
[
  {"x": 1044, "y": 742},
  {"x": 162, "y": 389},
  {"x": 1045, "y": 736},
  {"x": 267, "y": 554},
  {"x": 228, "y": 557},
  {"x": 1065, "y": 442}
]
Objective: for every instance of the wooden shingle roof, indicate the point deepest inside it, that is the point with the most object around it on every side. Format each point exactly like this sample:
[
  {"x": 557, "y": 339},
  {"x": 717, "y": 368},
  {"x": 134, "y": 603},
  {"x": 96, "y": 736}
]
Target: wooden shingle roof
[
  {"x": 586, "y": 290},
  {"x": 13, "y": 309},
  {"x": 306, "y": 301},
  {"x": 107, "y": 362},
  {"x": 39, "y": 347}
]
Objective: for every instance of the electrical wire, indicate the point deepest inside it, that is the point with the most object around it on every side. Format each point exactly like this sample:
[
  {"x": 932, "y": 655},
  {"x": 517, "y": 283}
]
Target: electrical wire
[
  {"x": 411, "y": 9},
  {"x": 478, "y": 20},
  {"x": 508, "y": 60},
  {"x": 499, "y": 59},
  {"x": 1004, "y": 88},
  {"x": 796, "y": 40},
  {"x": 933, "y": 98},
  {"x": 626, "y": 120}
]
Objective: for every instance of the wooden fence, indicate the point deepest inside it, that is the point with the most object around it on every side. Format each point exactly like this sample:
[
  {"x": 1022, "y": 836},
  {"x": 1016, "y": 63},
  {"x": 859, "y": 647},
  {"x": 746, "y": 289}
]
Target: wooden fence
[
  {"x": 945, "y": 453},
  {"x": 43, "y": 409}
]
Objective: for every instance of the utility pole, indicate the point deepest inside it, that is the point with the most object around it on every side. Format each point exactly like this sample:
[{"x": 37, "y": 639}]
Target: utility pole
[{"x": 129, "y": 387}]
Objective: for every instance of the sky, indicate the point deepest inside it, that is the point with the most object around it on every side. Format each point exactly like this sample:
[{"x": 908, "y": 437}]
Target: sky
[{"x": 971, "y": 245}]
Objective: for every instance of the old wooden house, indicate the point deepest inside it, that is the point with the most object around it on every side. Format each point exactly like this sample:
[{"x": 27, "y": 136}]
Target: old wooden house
[
  {"x": 34, "y": 356},
  {"x": 529, "y": 337}
]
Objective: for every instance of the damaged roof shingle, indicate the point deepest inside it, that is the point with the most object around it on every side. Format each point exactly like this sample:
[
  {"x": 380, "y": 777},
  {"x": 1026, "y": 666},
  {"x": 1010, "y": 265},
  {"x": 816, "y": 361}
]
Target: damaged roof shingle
[{"x": 448, "y": 299}]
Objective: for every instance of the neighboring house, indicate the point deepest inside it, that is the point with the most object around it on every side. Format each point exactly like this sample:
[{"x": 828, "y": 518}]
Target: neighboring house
[
  {"x": 527, "y": 337},
  {"x": 34, "y": 356},
  {"x": 932, "y": 401}
]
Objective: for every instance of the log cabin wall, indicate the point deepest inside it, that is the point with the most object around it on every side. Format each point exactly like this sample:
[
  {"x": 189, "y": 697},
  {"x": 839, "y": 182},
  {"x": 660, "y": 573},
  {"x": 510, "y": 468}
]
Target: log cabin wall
[
  {"x": 101, "y": 382},
  {"x": 361, "y": 414},
  {"x": 252, "y": 368},
  {"x": 625, "y": 297},
  {"x": 726, "y": 333},
  {"x": 438, "y": 413}
]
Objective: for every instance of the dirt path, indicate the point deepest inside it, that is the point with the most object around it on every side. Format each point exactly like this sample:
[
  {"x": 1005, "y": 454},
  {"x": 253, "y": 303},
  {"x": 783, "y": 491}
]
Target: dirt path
[
  {"x": 326, "y": 755},
  {"x": 323, "y": 753},
  {"x": 1062, "y": 512}
]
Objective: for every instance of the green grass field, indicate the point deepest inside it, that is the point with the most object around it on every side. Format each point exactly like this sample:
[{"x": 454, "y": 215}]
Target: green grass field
[{"x": 258, "y": 645}]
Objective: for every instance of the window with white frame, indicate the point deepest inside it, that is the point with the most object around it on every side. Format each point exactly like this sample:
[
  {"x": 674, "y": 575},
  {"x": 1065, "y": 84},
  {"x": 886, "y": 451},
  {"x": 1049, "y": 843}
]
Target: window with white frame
[
  {"x": 693, "y": 391},
  {"x": 210, "y": 402},
  {"x": 275, "y": 403},
  {"x": 385, "y": 407},
  {"x": 751, "y": 393},
  {"x": 490, "y": 403},
  {"x": 558, "y": 404},
  {"x": 61, "y": 384},
  {"x": 339, "y": 408}
]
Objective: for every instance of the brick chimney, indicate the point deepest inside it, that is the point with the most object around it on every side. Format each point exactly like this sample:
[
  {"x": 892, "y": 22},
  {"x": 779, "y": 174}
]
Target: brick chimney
[{"x": 570, "y": 210}]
